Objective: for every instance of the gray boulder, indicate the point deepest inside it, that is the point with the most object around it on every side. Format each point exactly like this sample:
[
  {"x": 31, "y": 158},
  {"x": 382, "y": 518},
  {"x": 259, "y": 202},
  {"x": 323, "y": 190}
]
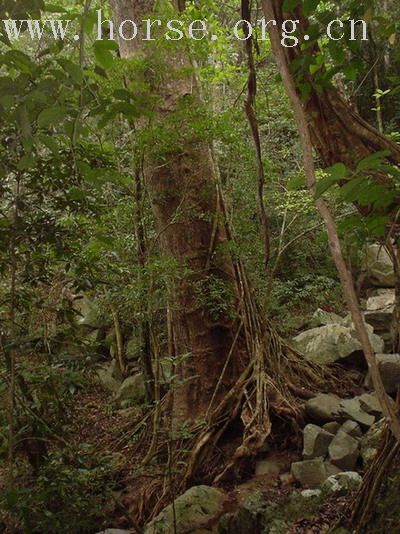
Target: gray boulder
[
  {"x": 132, "y": 389},
  {"x": 323, "y": 408},
  {"x": 316, "y": 441},
  {"x": 351, "y": 428},
  {"x": 344, "y": 451},
  {"x": 369, "y": 403},
  {"x": 333, "y": 342},
  {"x": 310, "y": 473},
  {"x": 342, "y": 482},
  {"x": 110, "y": 376},
  {"x": 195, "y": 510},
  {"x": 323, "y": 318},
  {"x": 331, "y": 427},
  {"x": 351, "y": 409},
  {"x": 133, "y": 348},
  {"x": 379, "y": 266},
  {"x": 90, "y": 313},
  {"x": 389, "y": 367},
  {"x": 379, "y": 310}
]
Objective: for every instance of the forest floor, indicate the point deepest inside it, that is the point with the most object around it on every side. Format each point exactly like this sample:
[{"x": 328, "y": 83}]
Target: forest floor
[{"x": 97, "y": 423}]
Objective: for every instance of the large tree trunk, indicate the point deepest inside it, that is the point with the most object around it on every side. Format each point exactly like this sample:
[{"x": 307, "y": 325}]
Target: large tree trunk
[{"x": 183, "y": 187}]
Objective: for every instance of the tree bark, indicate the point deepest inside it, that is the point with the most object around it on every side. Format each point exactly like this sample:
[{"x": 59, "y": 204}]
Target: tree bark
[{"x": 185, "y": 200}]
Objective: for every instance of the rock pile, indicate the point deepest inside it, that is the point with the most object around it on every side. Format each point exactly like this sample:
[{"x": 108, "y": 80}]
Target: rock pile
[{"x": 338, "y": 438}]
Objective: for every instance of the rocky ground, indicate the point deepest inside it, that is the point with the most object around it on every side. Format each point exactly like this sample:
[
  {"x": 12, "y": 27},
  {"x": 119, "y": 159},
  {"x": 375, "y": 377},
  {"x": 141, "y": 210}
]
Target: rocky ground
[{"x": 305, "y": 492}]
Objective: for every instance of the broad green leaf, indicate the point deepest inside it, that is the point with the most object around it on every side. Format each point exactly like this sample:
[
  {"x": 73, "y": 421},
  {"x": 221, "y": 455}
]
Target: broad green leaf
[
  {"x": 373, "y": 161},
  {"x": 296, "y": 183},
  {"x": 72, "y": 69},
  {"x": 51, "y": 116},
  {"x": 104, "y": 53},
  {"x": 7, "y": 102},
  {"x": 351, "y": 189}
]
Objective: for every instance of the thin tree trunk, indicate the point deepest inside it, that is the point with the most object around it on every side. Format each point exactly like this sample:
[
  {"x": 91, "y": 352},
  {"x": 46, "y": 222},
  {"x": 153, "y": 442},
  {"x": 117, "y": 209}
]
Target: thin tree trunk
[
  {"x": 12, "y": 334},
  {"x": 119, "y": 340},
  {"x": 145, "y": 327},
  {"x": 253, "y": 123}
]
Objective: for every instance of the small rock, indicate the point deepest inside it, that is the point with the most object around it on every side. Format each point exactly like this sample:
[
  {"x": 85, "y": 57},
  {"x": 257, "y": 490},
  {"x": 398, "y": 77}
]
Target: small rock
[
  {"x": 323, "y": 408},
  {"x": 316, "y": 441},
  {"x": 322, "y": 318},
  {"x": 310, "y": 473},
  {"x": 194, "y": 510},
  {"x": 379, "y": 311},
  {"x": 332, "y": 469},
  {"x": 286, "y": 479},
  {"x": 369, "y": 403},
  {"x": 132, "y": 388},
  {"x": 114, "y": 531},
  {"x": 267, "y": 467},
  {"x": 331, "y": 427},
  {"x": 311, "y": 493},
  {"x": 351, "y": 408},
  {"x": 344, "y": 451},
  {"x": 342, "y": 482},
  {"x": 352, "y": 428},
  {"x": 389, "y": 367},
  {"x": 110, "y": 376}
]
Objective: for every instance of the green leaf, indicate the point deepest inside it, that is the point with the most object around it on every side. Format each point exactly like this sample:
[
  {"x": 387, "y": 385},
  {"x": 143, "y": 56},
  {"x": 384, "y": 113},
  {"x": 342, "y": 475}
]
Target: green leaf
[
  {"x": 373, "y": 161},
  {"x": 309, "y": 6},
  {"x": 103, "y": 53},
  {"x": 51, "y": 116},
  {"x": 298, "y": 182},
  {"x": 72, "y": 69},
  {"x": 26, "y": 162},
  {"x": 19, "y": 60},
  {"x": 76, "y": 194},
  {"x": 334, "y": 174},
  {"x": 7, "y": 101},
  {"x": 350, "y": 71},
  {"x": 377, "y": 224},
  {"x": 351, "y": 189}
]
